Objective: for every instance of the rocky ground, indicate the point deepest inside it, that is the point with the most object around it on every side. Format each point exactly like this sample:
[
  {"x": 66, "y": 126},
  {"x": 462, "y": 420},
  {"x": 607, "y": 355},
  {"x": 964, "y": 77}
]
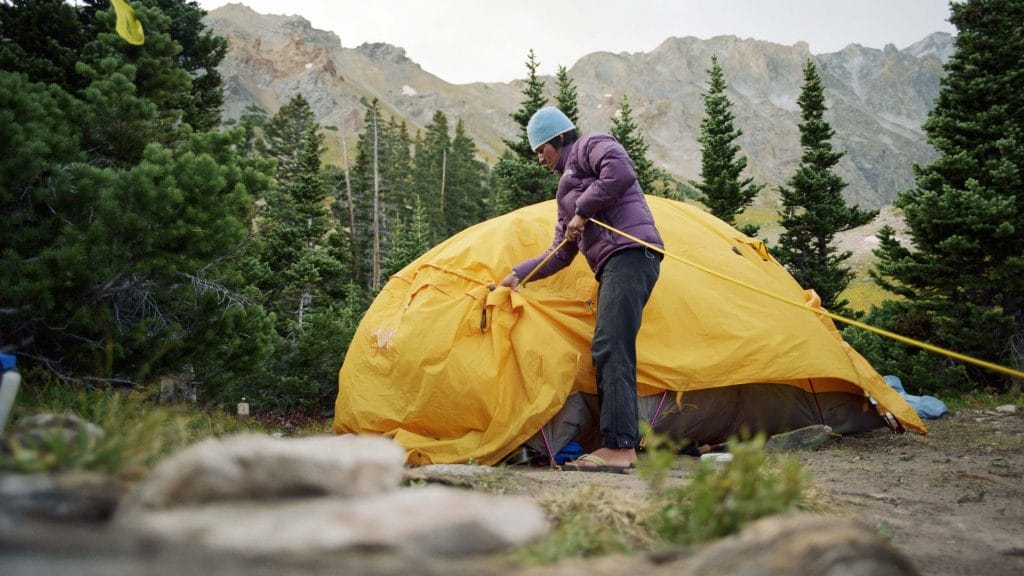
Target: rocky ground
[{"x": 952, "y": 502}]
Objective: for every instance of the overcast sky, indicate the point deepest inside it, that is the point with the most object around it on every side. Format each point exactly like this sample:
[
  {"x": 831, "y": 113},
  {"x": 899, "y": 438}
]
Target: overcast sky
[{"x": 464, "y": 41}]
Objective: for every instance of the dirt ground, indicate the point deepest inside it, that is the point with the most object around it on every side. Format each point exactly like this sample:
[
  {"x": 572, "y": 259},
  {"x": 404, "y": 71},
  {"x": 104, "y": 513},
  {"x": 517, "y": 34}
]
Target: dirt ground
[{"x": 951, "y": 500}]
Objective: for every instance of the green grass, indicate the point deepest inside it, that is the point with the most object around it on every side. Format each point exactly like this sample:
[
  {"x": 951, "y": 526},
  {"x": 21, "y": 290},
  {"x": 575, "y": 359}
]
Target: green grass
[
  {"x": 595, "y": 520},
  {"x": 136, "y": 432},
  {"x": 987, "y": 400},
  {"x": 864, "y": 293}
]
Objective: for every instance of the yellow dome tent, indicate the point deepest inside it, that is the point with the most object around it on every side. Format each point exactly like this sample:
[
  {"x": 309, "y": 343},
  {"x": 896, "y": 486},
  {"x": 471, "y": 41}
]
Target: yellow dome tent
[{"x": 457, "y": 371}]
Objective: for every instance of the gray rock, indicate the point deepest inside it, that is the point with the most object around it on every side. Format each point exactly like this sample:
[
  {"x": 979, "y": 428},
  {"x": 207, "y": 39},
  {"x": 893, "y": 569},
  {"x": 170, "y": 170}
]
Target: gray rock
[
  {"x": 806, "y": 438},
  {"x": 798, "y": 545},
  {"x": 1007, "y": 409},
  {"x": 257, "y": 467},
  {"x": 37, "y": 432},
  {"x": 433, "y": 521},
  {"x": 67, "y": 496}
]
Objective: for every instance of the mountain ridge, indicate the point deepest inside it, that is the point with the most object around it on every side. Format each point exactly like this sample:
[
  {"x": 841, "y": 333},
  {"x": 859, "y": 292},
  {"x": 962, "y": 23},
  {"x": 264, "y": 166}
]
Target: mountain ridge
[{"x": 877, "y": 98}]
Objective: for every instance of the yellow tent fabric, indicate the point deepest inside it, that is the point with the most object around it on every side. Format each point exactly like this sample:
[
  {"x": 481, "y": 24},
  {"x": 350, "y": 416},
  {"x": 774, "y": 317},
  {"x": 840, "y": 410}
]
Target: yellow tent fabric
[
  {"x": 128, "y": 26},
  {"x": 456, "y": 371}
]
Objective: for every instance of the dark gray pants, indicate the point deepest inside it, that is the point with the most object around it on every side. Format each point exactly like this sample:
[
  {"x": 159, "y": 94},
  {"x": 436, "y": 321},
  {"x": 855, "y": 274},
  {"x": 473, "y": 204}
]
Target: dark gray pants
[{"x": 627, "y": 279}]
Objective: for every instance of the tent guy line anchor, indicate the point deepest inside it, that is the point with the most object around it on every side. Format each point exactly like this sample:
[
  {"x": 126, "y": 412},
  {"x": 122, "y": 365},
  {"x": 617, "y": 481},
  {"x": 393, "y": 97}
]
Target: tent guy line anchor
[{"x": 820, "y": 311}]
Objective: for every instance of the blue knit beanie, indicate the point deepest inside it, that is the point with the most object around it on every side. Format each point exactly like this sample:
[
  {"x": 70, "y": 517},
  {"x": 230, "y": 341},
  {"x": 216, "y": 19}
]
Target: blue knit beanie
[{"x": 545, "y": 124}]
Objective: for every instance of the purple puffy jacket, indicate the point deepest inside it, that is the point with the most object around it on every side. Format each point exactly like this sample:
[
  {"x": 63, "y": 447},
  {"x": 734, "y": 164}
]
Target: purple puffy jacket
[{"x": 597, "y": 182}]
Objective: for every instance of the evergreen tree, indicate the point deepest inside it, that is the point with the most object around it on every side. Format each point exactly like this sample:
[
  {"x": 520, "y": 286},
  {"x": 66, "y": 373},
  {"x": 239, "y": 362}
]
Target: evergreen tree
[
  {"x": 252, "y": 122},
  {"x": 533, "y": 100},
  {"x": 520, "y": 180},
  {"x": 201, "y": 53},
  {"x": 284, "y": 136},
  {"x": 301, "y": 269},
  {"x": 467, "y": 183},
  {"x": 45, "y": 39},
  {"x": 725, "y": 194},
  {"x": 299, "y": 261},
  {"x": 397, "y": 169},
  {"x": 625, "y": 130},
  {"x": 411, "y": 237},
  {"x": 107, "y": 269},
  {"x": 568, "y": 101},
  {"x": 381, "y": 189},
  {"x": 961, "y": 283},
  {"x": 431, "y": 169},
  {"x": 813, "y": 209},
  {"x": 121, "y": 221}
]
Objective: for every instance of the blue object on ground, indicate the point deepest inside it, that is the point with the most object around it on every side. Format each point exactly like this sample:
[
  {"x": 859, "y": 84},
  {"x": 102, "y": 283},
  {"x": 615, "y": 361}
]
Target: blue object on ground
[
  {"x": 572, "y": 451},
  {"x": 8, "y": 362},
  {"x": 928, "y": 407}
]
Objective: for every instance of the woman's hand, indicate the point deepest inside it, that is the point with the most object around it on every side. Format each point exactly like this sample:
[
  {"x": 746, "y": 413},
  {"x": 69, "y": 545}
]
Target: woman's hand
[
  {"x": 574, "y": 228},
  {"x": 511, "y": 280}
]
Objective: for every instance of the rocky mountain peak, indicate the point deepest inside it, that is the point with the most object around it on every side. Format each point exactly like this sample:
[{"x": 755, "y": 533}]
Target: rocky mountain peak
[
  {"x": 938, "y": 44},
  {"x": 877, "y": 99},
  {"x": 381, "y": 52}
]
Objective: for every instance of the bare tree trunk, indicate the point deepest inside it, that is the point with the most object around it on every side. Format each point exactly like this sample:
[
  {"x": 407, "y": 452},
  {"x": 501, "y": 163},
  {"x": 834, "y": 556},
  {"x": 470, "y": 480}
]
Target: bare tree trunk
[
  {"x": 444, "y": 170},
  {"x": 375, "y": 282},
  {"x": 351, "y": 206},
  {"x": 303, "y": 300}
]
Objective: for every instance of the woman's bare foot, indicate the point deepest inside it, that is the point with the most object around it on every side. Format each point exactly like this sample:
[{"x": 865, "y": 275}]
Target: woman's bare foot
[{"x": 611, "y": 458}]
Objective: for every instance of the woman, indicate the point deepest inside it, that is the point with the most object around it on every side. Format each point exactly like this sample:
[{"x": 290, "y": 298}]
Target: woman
[{"x": 597, "y": 181}]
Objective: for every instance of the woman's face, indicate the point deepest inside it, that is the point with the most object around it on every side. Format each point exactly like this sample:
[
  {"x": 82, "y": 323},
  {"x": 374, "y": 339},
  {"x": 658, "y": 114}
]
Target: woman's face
[{"x": 548, "y": 155}]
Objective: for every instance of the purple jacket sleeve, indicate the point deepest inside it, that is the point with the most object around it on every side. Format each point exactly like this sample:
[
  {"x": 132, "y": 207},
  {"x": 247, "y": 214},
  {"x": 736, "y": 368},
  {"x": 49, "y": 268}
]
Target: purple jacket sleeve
[{"x": 560, "y": 260}]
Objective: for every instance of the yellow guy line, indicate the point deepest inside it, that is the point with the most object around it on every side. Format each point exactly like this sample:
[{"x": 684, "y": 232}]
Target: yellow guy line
[
  {"x": 542, "y": 262},
  {"x": 826, "y": 313}
]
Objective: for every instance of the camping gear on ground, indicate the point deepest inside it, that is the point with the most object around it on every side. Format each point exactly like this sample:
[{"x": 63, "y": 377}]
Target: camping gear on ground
[
  {"x": 928, "y": 407},
  {"x": 458, "y": 370}
]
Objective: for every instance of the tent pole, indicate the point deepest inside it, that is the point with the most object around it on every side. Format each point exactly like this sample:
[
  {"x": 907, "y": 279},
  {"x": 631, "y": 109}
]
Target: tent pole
[{"x": 821, "y": 416}]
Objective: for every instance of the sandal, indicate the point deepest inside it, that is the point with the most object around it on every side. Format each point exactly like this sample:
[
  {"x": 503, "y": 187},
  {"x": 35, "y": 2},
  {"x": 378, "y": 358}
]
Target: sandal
[{"x": 594, "y": 464}]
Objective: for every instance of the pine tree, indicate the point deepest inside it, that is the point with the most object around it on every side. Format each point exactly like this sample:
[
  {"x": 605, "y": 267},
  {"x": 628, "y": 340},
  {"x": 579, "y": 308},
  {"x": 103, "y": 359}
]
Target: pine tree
[
  {"x": 398, "y": 172},
  {"x": 121, "y": 224},
  {"x": 431, "y": 169},
  {"x": 411, "y": 238},
  {"x": 625, "y": 130},
  {"x": 568, "y": 101},
  {"x": 813, "y": 209},
  {"x": 201, "y": 53},
  {"x": 533, "y": 100},
  {"x": 362, "y": 183},
  {"x": 381, "y": 190},
  {"x": 467, "y": 183},
  {"x": 108, "y": 269},
  {"x": 300, "y": 257},
  {"x": 45, "y": 39},
  {"x": 961, "y": 282},
  {"x": 725, "y": 193},
  {"x": 284, "y": 136},
  {"x": 520, "y": 180}
]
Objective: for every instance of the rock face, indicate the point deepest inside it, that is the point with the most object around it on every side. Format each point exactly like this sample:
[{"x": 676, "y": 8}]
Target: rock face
[{"x": 877, "y": 99}]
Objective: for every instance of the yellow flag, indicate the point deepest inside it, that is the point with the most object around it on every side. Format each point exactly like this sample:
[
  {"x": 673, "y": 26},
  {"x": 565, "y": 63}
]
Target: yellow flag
[{"x": 128, "y": 26}]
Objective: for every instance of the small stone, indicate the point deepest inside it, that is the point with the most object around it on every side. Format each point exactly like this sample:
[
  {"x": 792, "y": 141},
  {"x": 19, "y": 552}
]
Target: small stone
[
  {"x": 1007, "y": 409},
  {"x": 806, "y": 438}
]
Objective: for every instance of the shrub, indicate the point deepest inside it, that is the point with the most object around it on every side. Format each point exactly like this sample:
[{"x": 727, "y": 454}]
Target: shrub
[{"x": 717, "y": 503}]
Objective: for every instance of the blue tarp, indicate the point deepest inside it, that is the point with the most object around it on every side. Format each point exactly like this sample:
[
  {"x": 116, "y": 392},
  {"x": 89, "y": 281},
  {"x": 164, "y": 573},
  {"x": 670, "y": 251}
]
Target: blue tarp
[{"x": 925, "y": 406}]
